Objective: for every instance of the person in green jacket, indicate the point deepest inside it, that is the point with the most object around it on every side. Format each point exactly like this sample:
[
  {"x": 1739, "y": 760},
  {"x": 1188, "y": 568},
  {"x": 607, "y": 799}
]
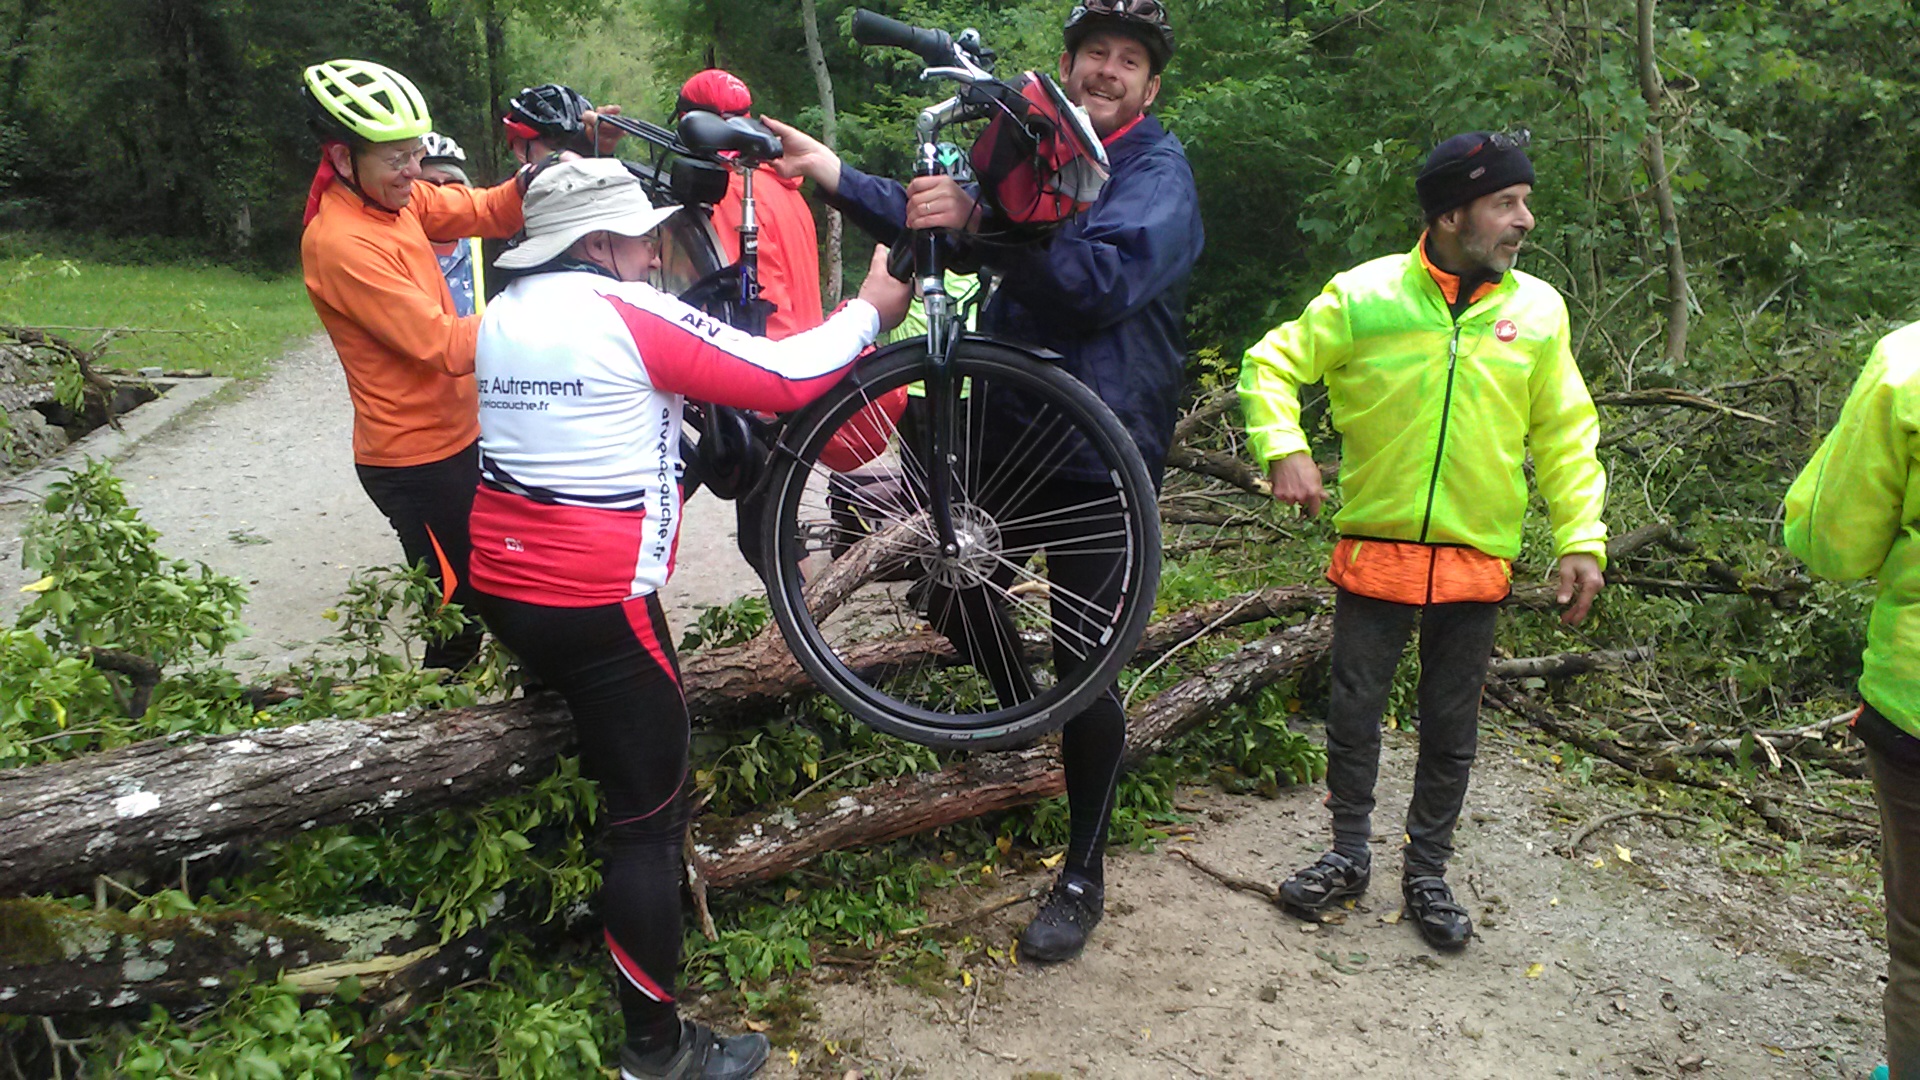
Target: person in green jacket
[
  {"x": 1855, "y": 513},
  {"x": 1444, "y": 367}
]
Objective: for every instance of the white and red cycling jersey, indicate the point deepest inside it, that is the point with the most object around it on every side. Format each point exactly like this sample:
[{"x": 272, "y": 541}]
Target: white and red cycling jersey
[{"x": 581, "y": 381}]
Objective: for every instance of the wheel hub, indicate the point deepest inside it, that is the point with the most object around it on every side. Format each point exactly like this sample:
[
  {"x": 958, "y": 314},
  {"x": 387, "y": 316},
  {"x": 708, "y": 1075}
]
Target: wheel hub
[{"x": 976, "y": 552}]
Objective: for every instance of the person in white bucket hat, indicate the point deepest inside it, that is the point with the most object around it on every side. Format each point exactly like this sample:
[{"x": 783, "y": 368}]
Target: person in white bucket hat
[{"x": 582, "y": 371}]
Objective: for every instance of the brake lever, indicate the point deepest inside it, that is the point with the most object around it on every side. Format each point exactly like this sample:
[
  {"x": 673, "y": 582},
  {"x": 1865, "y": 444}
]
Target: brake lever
[{"x": 969, "y": 42}]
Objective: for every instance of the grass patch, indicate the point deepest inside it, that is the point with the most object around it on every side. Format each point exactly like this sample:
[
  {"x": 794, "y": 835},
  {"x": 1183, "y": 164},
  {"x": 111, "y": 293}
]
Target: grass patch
[{"x": 226, "y": 321}]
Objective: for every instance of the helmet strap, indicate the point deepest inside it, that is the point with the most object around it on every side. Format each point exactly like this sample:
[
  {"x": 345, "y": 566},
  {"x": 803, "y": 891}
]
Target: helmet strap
[{"x": 351, "y": 179}]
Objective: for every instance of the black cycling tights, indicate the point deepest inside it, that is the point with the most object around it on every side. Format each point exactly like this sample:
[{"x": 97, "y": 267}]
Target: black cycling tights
[
  {"x": 428, "y": 506},
  {"x": 616, "y": 668},
  {"x": 1075, "y": 522}
]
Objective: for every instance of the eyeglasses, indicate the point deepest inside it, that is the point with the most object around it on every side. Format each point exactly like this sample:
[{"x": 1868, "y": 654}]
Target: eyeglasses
[{"x": 398, "y": 161}]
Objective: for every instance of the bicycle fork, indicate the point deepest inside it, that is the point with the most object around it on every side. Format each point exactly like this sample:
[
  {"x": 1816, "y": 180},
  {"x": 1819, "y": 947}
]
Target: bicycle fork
[{"x": 942, "y": 335}]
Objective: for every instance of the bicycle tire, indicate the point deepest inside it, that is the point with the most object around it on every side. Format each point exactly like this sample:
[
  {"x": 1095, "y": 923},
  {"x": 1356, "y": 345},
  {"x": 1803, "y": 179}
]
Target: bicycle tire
[{"x": 944, "y": 699}]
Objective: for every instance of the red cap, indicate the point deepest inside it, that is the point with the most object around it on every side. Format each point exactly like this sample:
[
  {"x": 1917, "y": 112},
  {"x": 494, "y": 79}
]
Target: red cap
[{"x": 715, "y": 90}]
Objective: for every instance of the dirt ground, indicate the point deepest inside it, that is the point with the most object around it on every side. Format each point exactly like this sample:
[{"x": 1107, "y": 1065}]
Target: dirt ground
[
  {"x": 1664, "y": 965},
  {"x": 1658, "y": 964}
]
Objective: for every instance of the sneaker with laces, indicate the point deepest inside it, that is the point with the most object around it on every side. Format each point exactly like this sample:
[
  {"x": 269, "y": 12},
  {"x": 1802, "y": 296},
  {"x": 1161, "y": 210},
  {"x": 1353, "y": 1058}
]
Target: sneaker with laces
[
  {"x": 703, "y": 1054},
  {"x": 1440, "y": 920},
  {"x": 1059, "y": 930},
  {"x": 1314, "y": 889}
]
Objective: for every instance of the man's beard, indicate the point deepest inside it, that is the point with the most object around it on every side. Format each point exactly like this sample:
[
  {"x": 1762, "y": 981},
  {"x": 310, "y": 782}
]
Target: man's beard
[{"x": 1488, "y": 253}]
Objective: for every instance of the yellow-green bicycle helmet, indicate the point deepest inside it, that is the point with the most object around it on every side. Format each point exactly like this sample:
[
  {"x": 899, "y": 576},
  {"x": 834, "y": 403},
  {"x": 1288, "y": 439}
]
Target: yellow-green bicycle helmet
[{"x": 364, "y": 101}]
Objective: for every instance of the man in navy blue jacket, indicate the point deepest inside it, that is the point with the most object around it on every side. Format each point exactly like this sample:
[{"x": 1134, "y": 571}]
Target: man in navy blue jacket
[{"x": 1108, "y": 293}]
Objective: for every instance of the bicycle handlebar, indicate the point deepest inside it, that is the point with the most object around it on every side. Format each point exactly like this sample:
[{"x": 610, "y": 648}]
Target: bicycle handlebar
[
  {"x": 653, "y": 133},
  {"x": 933, "y": 46}
]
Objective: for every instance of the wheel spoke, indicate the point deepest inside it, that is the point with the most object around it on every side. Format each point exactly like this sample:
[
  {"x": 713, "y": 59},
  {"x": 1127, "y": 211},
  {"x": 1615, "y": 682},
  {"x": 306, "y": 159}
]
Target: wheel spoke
[{"x": 1022, "y": 430}]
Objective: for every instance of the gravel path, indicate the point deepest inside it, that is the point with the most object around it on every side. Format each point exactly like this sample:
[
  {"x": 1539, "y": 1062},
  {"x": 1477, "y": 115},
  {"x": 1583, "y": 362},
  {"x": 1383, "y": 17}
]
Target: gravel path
[{"x": 259, "y": 484}]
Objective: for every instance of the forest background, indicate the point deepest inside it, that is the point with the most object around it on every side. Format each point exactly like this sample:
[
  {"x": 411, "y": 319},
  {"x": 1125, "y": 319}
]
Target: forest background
[{"x": 1727, "y": 198}]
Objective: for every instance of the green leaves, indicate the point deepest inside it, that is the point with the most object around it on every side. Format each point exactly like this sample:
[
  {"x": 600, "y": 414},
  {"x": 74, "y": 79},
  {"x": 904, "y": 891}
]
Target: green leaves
[{"x": 112, "y": 588}]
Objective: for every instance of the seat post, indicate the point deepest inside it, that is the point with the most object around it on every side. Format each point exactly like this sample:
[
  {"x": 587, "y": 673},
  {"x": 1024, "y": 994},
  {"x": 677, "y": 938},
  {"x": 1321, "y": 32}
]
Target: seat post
[{"x": 749, "y": 240}]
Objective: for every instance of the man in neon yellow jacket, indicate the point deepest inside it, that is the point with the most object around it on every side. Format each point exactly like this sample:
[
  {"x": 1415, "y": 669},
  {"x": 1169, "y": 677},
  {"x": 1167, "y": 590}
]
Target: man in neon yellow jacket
[
  {"x": 1444, "y": 367},
  {"x": 1855, "y": 513}
]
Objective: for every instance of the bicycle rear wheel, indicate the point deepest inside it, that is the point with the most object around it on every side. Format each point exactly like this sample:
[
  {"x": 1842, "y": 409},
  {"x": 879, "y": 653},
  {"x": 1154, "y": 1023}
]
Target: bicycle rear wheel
[{"x": 1053, "y": 579}]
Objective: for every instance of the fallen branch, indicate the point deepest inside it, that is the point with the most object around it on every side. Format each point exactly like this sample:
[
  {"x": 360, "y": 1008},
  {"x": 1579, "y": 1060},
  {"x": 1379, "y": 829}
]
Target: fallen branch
[
  {"x": 1792, "y": 737},
  {"x": 1225, "y": 466},
  {"x": 95, "y": 385},
  {"x": 1680, "y": 399},
  {"x": 1571, "y": 847},
  {"x": 1232, "y": 881},
  {"x": 1661, "y": 767},
  {"x": 1220, "y": 401},
  {"x": 981, "y": 912},
  {"x": 142, "y": 673},
  {"x": 1565, "y": 665},
  {"x": 1781, "y": 594}
]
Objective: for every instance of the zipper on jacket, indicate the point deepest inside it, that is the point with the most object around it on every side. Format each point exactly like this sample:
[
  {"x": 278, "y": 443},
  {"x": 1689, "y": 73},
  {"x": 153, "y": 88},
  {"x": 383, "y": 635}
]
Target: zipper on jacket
[{"x": 1446, "y": 411}]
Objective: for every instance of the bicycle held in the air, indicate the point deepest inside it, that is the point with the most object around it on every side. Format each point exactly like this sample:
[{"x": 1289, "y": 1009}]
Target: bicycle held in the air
[{"x": 911, "y": 563}]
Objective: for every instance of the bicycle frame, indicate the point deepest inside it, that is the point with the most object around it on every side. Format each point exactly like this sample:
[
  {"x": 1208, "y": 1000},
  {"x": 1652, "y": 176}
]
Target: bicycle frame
[{"x": 943, "y": 329}]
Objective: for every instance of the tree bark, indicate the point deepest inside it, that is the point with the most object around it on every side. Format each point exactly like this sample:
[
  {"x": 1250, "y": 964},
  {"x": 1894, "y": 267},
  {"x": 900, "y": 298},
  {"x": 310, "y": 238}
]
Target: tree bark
[
  {"x": 829, "y": 134},
  {"x": 768, "y": 845},
  {"x": 158, "y": 802},
  {"x": 161, "y": 801},
  {"x": 54, "y": 960},
  {"x": 1653, "y": 89}
]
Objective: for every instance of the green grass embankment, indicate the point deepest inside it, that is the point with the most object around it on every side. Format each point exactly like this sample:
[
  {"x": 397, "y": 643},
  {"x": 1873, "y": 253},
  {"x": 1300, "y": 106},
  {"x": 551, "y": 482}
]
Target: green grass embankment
[{"x": 175, "y": 315}]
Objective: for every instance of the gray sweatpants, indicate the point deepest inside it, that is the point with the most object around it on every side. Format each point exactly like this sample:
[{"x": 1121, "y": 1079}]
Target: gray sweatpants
[{"x": 1456, "y": 641}]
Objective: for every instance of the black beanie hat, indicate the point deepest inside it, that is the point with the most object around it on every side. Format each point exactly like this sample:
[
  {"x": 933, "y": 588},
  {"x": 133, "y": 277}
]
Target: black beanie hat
[{"x": 1465, "y": 167}]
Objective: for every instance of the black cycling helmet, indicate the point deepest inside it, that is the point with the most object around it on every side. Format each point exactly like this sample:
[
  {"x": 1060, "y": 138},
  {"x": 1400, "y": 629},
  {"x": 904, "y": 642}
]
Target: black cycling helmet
[
  {"x": 552, "y": 113},
  {"x": 1146, "y": 20}
]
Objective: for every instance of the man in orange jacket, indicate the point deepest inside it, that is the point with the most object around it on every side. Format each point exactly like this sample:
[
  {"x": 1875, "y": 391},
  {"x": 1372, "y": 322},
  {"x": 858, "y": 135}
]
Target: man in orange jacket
[{"x": 367, "y": 256}]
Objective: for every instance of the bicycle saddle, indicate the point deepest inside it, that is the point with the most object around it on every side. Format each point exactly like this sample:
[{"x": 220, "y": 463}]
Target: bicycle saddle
[{"x": 708, "y": 135}]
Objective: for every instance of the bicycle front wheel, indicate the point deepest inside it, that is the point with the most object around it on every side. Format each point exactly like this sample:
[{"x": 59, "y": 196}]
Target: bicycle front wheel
[{"x": 1029, "y": 614}]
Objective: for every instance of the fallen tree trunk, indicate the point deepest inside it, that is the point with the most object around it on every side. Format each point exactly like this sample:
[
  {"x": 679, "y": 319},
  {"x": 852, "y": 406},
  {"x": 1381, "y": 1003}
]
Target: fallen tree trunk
[
  {"x": 158, "y": 802},
  {"x": 767, "y": 845},
  {"x": 55, "y": 960}
]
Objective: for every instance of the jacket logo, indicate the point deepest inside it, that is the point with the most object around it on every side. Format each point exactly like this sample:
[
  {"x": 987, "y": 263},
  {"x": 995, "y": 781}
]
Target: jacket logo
[
  {"x": 1477, "y": 173},
  {"x": 1505, "y": 330},
  {"x": 702, "y": 324}
]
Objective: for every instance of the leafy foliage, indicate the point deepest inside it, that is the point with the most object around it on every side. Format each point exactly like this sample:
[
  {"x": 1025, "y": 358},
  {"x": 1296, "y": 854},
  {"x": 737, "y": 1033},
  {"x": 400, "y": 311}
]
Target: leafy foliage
[
  {"x": 1790, "y": 130},
  {"x": 108, "y": 586}
]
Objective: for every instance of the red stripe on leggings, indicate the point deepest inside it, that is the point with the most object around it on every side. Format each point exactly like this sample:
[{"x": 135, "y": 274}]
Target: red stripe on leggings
[
  {"x": 639, "y": 612},
  {"x": 635, "y": 973}
]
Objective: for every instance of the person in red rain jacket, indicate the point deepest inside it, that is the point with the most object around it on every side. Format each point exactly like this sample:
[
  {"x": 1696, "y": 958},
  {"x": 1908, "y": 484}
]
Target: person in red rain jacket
[{"x": 789, "y": 244}]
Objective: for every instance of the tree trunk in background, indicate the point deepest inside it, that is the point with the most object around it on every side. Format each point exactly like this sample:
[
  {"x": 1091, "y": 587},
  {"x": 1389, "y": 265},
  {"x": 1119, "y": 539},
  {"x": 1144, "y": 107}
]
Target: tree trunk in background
[
  {"x": 810, "y": 22},
  {"x": 30, "y": 11},
  {"x": 493, "y": 25},
  {"x": 1654, "y": 90}
]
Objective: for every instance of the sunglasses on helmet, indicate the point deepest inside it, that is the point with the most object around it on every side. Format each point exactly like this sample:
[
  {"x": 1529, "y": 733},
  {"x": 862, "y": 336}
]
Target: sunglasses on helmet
[
  {"x": 1139, "y": 9},
  {"x": 1517, "y": 139}
]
